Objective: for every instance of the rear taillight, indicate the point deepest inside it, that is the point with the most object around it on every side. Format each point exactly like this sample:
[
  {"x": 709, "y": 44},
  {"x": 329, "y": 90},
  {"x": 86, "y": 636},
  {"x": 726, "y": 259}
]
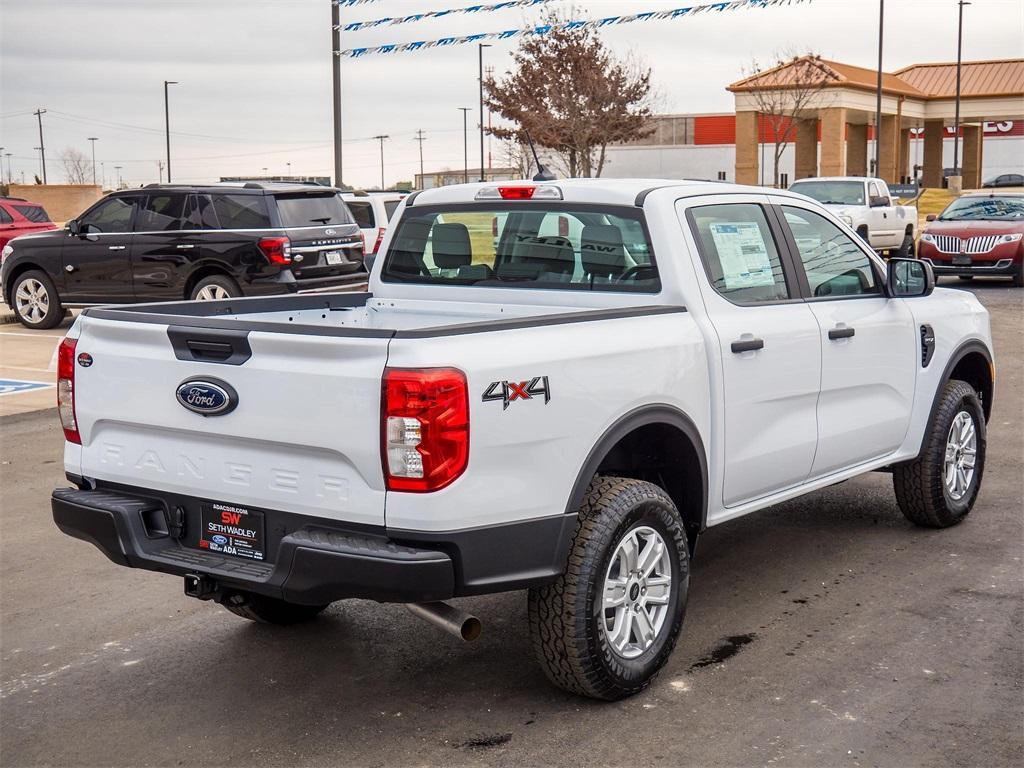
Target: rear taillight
[
  {"x": 66, "y": 390},
  {"x": 278, "y": 250},
  {"x": 424, "y": 428},
  {"x": 376, "y": 244}
]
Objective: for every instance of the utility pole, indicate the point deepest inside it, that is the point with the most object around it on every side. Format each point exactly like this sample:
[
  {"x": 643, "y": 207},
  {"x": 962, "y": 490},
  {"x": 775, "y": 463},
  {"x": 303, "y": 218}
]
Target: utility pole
[
  {"x": 42, "y": 147},
  {"x": 93, "y": 140},
  {"x": 118, "y": 169},
  {"x": 167, "y": 126},
  {"x": 160, "y": 170},
  {"x": 481, "y": 47},
  {"x": 289, "y": 169},
  {"x": 39, "y": 149},
  {"x": 10, "y": 175},
  {"x": 336, "y": 80},
  {"x": 956, "y": 118},
  {"x": 465, "y": 146},
  {"x": 381, "y": 140},
  {"x": 420, "y": 139},
  {"x": 878, "y": 90},
  {"x": 103, "y": 174}
]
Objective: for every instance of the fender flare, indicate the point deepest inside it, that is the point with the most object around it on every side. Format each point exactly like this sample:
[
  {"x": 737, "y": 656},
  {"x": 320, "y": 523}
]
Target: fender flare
[
  {"x": 639, "y": 417},
  {"x": 966, "y": 348}
]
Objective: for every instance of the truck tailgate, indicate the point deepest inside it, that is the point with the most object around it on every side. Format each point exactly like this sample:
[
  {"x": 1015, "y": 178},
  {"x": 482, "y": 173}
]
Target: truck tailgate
[{"x": 304, "y": 436}]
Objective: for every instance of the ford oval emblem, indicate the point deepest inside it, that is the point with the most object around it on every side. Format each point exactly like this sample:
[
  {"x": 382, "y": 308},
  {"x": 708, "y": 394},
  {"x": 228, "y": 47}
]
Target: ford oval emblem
[
  {"x": 329, "y": 232},
  {"x": 207, "y": 397}
]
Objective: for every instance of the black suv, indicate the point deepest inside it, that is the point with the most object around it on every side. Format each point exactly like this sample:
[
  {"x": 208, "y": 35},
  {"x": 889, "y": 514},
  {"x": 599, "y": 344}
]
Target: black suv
[{"x": 169, "y": 242}]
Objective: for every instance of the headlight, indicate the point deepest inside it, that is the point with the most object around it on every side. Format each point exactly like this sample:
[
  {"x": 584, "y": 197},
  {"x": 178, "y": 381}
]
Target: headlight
[
  {"x": 9, "y": 249},
  {"x": 847, "y": 220},
  {"x": 926, "y": 238},
  {"x": 1004, "y": 239}
]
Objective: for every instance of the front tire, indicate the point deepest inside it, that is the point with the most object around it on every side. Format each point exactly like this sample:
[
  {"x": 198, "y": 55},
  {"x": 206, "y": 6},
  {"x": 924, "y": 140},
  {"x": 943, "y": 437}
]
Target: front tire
[
  {"x": 215, "y": 288},
  {"x": 608, "y": 624},
  {"x": 269, "y": 610},
  {"x": 35, "y": 301},
  {"x": 1017, "y": 281},
  {"x": 938, "y": 489}
]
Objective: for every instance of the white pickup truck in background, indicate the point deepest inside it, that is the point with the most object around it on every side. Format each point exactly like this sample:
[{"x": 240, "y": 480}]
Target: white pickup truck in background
[
  {"x": 563, "y": 410},
  {"x": 865, "y": 205}
]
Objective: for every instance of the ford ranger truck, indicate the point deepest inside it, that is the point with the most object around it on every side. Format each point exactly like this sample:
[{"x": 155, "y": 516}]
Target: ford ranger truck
[{"x": 561, "y": 414}]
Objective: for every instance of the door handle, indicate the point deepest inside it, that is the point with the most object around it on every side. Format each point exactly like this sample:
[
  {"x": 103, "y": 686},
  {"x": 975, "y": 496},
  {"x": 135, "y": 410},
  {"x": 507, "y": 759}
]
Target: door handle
[
  {"x": 747, "y": 345},
  {"x": 841, "y": 333},
  {"x": 69, "y": 268},
  {"x": 115, "y": 247},
  {"x": 184, "y": 247}
]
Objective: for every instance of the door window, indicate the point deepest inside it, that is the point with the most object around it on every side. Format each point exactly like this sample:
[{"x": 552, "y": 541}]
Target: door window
[
  {"x": 835, "y": 266},
  {"x": 5, "y": 217},
  {"x": 873, "y": 190},
  {"x": 161, "y": 213},
  {"x": 739, "y": 253},
  {"x": 362, "y": 213},
  {"x": 112, "y": 215}
]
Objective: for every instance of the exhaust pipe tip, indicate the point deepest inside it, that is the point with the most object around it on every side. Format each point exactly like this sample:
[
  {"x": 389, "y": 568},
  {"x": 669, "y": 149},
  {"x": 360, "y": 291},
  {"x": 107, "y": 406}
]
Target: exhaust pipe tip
[{"x": 462, "y": 625}]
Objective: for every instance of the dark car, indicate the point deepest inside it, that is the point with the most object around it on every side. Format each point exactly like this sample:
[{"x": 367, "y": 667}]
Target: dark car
[
  {"x": 1005, "y": 180},
  {"x": 20, "y": 217},
  {"x": 171, "y": 242}
]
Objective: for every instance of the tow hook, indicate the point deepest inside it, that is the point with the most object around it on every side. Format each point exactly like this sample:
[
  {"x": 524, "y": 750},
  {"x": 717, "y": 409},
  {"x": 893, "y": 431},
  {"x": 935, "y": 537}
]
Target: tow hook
[{"x": 200, "y": 586}]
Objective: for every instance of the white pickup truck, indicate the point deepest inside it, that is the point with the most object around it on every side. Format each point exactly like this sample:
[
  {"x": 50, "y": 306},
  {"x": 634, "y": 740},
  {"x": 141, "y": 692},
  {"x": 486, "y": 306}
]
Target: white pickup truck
[
  {"x": 563, "y": 414},
  {"x": 865, "y": 205}
]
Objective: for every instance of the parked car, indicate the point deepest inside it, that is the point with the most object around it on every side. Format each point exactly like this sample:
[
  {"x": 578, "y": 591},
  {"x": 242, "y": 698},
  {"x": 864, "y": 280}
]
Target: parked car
[
  {"x": 866, "y": 206},
  {"x": 372, "y": 211},
  {"x": 565, "y": 415},
  {"x": 1005, "y": 180},
  {"x": 166, "y": 242},
  {"x": 978, "y": 234},
  {"x": 19, "y": 217}
]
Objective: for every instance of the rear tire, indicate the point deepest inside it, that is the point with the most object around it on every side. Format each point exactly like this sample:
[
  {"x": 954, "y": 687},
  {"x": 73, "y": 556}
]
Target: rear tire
[
  {"x": 608, "y": 624},
  {"x": 907, "y": 248},
  {"x": 938, "y": 489},
  {"x": 35, "y": 301},
  {"x": 269, "y": 610},
  {"x": 215, "y": 287}
]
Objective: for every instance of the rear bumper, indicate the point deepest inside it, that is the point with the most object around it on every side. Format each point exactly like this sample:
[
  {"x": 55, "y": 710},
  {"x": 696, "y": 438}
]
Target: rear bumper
[
  {"x": 316, "y": 561},
  {"x": 285, "y": 282}
]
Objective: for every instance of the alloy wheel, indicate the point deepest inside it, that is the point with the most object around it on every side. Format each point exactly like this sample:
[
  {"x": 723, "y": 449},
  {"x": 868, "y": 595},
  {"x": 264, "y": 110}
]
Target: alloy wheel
[
  {"x": 32, "y": 300},
  {"x": 637, "y": 589},
  {"x": 961, "y": 453}
]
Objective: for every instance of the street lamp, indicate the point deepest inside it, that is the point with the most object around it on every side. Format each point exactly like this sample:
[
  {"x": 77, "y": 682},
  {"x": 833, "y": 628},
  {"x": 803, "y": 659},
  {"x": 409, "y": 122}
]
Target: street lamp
[
  {"x": 93, "y": 140},
  {"x": 118, "y": 169},
  {"x": 465, "y": 146},
  {"x": 381, "y": 140},
  {"x": 167, "y": 126},
  {"x": 481, "y": 51},
  {"x": 878, "y": 91},
  {"x": 289, "y": 169},
  {"x": 956, "y": 118}
]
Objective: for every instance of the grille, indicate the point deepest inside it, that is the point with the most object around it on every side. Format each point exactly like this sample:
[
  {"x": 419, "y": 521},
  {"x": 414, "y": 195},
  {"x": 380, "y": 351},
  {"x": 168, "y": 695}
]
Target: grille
[{"x": 954, "y": 244}]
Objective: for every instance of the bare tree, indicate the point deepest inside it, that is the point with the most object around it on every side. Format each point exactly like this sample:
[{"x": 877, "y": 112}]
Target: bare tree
[
  {"x": 77, "y": 168},
  {"x": 784, "y": 93},
  {"x": 572, "y": 96}
]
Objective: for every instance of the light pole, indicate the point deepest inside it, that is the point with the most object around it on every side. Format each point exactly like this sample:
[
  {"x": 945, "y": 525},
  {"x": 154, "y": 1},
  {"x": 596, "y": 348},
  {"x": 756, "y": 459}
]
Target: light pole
[
  {"x": 10, "y": 175},
  {"x": 956, "y": 117},
  {"x": 264, "y": 172},
  {"x": 167, "y": 126},
  {"x": 118, "y": 169},
  {"x": 481, "y": 47},
  {"x": 103, "y": 174},
  {"x": 465, "y": 146},
  {"x": 93, "y": 140},
  {"x": 878, "y": 90},
  {"x": 420, "y": 138},
  {"x": 336, "y": 83},
  {"x": 381, "y": 140},
  {"x": 289, "y": 169}
]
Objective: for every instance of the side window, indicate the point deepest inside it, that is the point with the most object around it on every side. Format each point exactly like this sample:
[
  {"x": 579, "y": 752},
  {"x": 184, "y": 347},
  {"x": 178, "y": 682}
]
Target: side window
[
  {"x": 873, "y": 190},
  {"x": 362, "y": 213},
  {"x": 834, "y": 264},
  {"x": 739, "y": 252},
  {"x": 161, "y": 213},
  {"x": 202, "y": 214},
  {"x": 5, "y": 217},
  {"x": 883, "y": 190},
  {"x": 240, "y": 211},
  {"x": 113, "y": 215}
]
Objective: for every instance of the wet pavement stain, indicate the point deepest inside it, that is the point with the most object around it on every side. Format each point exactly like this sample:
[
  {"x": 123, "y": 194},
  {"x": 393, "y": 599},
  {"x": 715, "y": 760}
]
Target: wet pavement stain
[
  {"x": 726, "y": 649},
  {"x": 487, "y": 742}
]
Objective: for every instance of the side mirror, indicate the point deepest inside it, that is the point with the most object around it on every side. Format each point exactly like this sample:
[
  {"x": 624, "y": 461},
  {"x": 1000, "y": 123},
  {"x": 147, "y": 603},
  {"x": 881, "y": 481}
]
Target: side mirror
[
  {"x": 879, "y": 201},
  {"x": 73, "y": 227},
  {"x": 930, "y": 217},
  {"x": 907, "y": 278}
]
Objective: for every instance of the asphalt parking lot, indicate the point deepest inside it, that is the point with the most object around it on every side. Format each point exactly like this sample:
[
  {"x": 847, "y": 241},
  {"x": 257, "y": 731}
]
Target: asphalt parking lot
[{"x": 825, "y": 631}]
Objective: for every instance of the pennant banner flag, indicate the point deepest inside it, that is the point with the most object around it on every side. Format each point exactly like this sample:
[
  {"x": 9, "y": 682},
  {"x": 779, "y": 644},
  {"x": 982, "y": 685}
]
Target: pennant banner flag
[
  {"x": 392, "y": 20},
  {"x": 350, "y": 3},
  {"x": 508, "y": 34}
]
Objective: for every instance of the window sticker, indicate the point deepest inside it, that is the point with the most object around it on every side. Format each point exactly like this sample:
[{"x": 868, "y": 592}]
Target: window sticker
[{"x": 743, "y": 254}]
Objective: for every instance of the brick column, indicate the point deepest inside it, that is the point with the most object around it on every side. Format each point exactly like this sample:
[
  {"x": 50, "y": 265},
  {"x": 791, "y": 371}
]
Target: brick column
[
  {"x": 857, "y": 149},
  {"x": 833, "y": 151},
  {"x": 971, "y": 163},
  {"x": 931, "y": 174},
  {"x": 806, "y": 150},
  {"x": 887, "y": 150},
  {"x": 903, "y": 167},
  {"x": 746, "y": 147}
]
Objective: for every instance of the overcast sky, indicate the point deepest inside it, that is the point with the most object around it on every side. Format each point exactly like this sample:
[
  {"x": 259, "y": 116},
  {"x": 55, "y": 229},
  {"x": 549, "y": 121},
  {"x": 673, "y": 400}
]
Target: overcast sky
[{"x": 255, "y": 75}]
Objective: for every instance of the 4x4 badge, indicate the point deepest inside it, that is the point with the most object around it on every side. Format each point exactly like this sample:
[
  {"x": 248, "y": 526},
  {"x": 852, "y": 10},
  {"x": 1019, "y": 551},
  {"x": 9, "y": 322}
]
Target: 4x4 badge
[{"x": 508, "y": 391}]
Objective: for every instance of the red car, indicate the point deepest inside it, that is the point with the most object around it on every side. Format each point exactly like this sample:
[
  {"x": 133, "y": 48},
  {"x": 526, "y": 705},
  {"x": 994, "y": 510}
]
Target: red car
[
  {"x": 977, "y": 234},
  {"x": 19, "y": 217}
]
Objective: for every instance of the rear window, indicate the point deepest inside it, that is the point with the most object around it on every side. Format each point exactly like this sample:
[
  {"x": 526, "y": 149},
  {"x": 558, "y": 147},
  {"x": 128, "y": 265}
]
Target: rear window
[
  {"x": 362, "y": 213},
  {"x": 311, "y": 210},
  {"x": 33, "y": 213},
  {"x": 831, "y": 192},
  {"x": 390, "y": 206},
  {"x": 530, "y": 245}
]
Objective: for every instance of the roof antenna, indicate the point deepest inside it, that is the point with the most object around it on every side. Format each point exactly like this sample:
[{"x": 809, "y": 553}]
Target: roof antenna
[{"x": 543, "y": 174}]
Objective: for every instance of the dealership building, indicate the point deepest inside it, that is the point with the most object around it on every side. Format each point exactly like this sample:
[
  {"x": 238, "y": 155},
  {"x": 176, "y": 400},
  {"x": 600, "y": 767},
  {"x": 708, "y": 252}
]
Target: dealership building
[{"x": 833, "y": 135}]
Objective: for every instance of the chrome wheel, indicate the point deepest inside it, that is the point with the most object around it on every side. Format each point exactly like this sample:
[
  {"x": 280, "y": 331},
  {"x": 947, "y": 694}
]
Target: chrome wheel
[
  {"x": 961, "y": 453},
  {"x": 32, "y": 300},
  {"x": 637, "y": 588},
  {"x": 212, "y": 292}
]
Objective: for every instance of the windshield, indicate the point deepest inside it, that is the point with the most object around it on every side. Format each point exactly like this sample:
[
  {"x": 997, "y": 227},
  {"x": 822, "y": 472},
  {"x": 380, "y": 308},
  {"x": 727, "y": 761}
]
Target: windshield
[
  {"x": 524, "y": 245},
  {"x": 306, "y": 210},
  {"x": 979, "y": 208},
  {"x": 831, "y": 192}
]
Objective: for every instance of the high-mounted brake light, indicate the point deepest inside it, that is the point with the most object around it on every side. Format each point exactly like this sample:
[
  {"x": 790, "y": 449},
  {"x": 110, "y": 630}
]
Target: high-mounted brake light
[
  {"x": 66, "y": 390},
  {"x": 520, "y": 192},
  {"x": 278, "y": 250},
  {"x": 424, "y": 428}
]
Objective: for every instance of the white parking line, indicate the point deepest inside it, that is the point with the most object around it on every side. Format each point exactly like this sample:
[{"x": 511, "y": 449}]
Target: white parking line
[{"x": 31, "y": 335}]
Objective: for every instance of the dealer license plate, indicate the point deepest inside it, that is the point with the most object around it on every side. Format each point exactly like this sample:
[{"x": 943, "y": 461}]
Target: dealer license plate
[
  {"x": 232, "y": 530},
  {"x": 333, "y": 257},
  {"x": 961, "y": 260}
]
